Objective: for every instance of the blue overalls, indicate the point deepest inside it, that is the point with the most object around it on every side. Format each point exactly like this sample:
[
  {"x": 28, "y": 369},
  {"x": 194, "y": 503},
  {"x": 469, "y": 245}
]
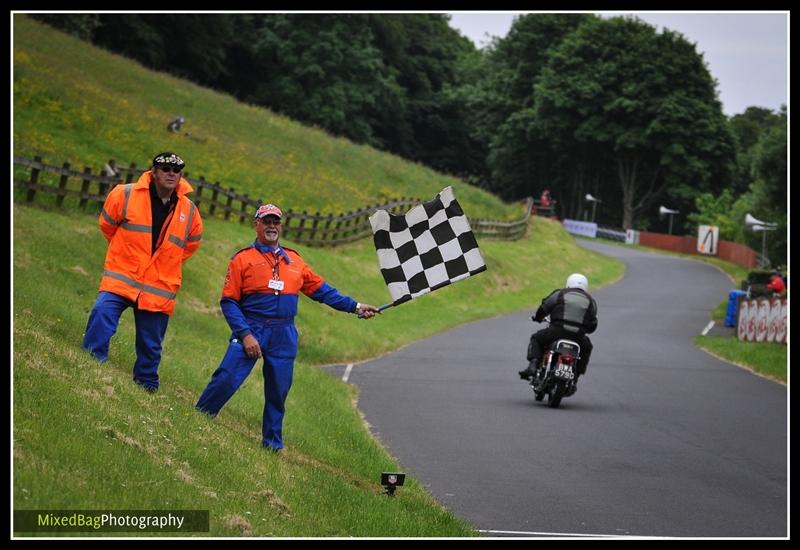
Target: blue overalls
[{"x": 251, "y": 306}]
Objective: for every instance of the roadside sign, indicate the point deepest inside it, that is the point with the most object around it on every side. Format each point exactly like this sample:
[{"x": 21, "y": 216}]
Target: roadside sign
[{"x": 707, "y": 239}]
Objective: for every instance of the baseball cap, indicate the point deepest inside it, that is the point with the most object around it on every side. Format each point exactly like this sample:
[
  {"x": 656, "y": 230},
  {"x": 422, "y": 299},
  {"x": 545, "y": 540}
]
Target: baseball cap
[
  {"x": 268, "y": 210},
  {"x": 168, "y": 159}
]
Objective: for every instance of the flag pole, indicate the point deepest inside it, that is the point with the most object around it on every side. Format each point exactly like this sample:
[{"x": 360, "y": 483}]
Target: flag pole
[{"x": 381, "y": 308}]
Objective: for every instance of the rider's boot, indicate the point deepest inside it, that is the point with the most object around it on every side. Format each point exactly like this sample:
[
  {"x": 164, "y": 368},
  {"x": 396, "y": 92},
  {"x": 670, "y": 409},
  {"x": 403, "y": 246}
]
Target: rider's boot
[{"x": 528, "y": 373}]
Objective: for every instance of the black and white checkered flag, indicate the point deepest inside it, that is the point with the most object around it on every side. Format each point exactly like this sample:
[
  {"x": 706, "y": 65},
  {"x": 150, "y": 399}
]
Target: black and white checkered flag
[{"x": 429, "y": 247}]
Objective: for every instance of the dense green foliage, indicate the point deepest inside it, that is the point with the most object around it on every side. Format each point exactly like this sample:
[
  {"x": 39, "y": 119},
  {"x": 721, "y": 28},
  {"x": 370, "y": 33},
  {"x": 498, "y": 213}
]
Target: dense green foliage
[
  {"x": 643, "y": 103},
  {"x": 760, "y": 189},
  {"x": 521, "y": 161}
]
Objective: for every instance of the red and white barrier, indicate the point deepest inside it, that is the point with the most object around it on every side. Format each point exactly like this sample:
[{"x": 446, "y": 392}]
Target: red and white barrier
[
  {"x": 762, "y": 321},
  {"x": 741, "y": 329}
]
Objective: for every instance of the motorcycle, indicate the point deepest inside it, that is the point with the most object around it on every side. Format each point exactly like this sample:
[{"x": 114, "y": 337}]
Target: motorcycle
[{"x": 555, "y": 374}]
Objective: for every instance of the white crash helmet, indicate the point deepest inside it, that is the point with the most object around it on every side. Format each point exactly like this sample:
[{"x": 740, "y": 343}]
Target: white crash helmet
[{"x": 576, "y": 280}]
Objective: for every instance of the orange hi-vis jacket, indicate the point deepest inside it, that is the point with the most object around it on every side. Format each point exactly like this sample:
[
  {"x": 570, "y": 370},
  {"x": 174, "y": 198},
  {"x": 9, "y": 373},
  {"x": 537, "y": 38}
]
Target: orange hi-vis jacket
[{"x": 130, "y": 270}]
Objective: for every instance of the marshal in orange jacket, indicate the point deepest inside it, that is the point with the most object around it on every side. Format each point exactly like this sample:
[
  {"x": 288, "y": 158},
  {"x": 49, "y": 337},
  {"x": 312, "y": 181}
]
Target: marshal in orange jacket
[{"x": 130, "y": 270}]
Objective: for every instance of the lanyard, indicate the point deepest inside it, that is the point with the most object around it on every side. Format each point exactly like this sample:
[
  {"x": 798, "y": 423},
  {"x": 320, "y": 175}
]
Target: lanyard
[
  {"x": 276, "y": 268},
  {"x": 275, "y": 283}
]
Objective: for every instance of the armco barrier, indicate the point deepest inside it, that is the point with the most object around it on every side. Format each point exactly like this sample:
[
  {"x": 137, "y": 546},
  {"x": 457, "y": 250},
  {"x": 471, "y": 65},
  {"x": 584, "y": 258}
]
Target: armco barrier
[
  {"x": 611, "y": 234},
  {"x": 577, "y": 227}
]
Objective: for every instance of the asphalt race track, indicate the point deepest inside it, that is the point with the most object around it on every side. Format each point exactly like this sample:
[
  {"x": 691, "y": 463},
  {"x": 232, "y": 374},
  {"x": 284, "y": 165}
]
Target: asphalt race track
[{"x": 660, "y": 440}]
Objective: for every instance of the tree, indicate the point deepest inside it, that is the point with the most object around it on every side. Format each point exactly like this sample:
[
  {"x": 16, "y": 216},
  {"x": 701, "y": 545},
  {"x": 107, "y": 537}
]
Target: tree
[
  {"x": 761, "y": 138},
  {"x": 82, "y": 26},
  {"x": 500, "y": 100},
  {"x": 641, "y": 100},
  {"x": 769, "y": 189},
  {"x": 423, "y": 53},
  {"x": 723, "y": 211},
  {"x": 191, "y": 46},
  {"x": 747, "y": 128},
  {"x": 325, "y": 70}
]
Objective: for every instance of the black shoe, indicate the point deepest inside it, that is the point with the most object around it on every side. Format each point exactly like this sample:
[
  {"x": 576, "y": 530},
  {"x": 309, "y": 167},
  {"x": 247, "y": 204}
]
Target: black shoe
[
  {"x": 526, "y": 374},
  {"x": 148, "y": 389}
]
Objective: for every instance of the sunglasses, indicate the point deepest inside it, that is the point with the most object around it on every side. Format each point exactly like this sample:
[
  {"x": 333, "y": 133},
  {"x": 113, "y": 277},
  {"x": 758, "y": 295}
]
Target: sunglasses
[
  {"x": 268, "y": 221},
  {"x": 173, "y": 169}
]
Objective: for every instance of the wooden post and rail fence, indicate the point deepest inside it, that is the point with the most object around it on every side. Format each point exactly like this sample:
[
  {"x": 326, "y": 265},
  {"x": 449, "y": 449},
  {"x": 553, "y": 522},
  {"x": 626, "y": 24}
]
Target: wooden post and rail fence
[{"x": 213, "y": 200}]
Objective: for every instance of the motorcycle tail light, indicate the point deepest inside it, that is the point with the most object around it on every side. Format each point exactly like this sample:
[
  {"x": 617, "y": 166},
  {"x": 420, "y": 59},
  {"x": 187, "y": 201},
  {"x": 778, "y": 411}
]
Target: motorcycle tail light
[{"x": 567, "y": 359}]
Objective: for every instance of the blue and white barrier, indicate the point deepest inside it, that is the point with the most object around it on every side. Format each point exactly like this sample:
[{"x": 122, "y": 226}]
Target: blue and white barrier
[{"x": 584, "y": 229}]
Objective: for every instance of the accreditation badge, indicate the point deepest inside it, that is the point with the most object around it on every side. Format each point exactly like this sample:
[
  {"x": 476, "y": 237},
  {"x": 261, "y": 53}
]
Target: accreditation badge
[{"x": 275, "y": 284}]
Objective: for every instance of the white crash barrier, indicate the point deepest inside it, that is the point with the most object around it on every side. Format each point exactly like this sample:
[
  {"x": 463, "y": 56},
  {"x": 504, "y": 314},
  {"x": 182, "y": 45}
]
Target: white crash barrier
[{"x": 762, "y": 320}]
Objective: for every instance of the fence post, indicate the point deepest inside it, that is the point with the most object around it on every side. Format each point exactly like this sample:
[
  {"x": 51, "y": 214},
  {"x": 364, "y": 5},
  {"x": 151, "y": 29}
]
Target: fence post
[
  {"x": 34, "y": 180},
  {"x": 214, "y": 198},
  {"x": 131, "y": 170},
  {"x": 85, "y": 187},
  {"x": 62, "y": 185},
  {"x": 287, "y": 217},
  {"x": 102, "y": 188},
  {"x": 363, "y": 213},
  {"x": 326, "y": 233},
  {"x": 201, "y": 183},
  {"x": 228, "y": 204},
  {"x": 259, "y": 202},
  {"x": 336, "y": 228},
  {"x": 314, "y": 227},
  {"x": 346, "y": 231},
  {"x": 301, "y": 225},
  {"x": 245, "y": 204}
]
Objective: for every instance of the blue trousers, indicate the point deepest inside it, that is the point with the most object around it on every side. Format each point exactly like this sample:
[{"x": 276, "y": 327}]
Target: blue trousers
[
  {"x": 151, "y": 326},
  {"x": 543, "y": 338},
  {"x": 278, "y": 341}
]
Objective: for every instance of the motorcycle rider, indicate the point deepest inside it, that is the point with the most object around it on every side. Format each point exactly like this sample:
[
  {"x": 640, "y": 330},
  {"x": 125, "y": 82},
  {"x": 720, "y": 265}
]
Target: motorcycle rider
[{"x": 573, "y": 315}]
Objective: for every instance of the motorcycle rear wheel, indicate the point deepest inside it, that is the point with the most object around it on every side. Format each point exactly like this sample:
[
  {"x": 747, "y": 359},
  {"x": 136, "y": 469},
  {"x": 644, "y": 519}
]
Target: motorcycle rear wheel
[{"x": 554, "y": 399}]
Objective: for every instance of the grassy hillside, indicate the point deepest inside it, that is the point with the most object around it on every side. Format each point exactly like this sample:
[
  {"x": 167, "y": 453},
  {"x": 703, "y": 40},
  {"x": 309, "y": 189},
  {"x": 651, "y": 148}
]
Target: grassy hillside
[
  {"x": 85, "y": 437},
  {"x": 75, "y": 102}
]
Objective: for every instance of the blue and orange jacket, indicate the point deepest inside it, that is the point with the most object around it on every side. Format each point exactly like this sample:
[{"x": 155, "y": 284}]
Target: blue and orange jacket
[
  {"x": 247, "y": 297},
  {"x": 131, "y": 270}
]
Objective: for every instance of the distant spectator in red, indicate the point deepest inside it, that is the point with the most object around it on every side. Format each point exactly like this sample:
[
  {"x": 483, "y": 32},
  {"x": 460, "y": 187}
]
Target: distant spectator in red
[
  {"x": 776, "y": 284},
  {"x": 544, "y": 201}
]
